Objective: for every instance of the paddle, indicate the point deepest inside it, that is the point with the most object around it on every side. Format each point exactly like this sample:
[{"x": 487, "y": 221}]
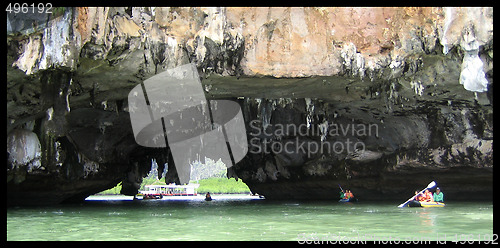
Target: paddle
[
  {"x": 341, "y": 189},
  {"x": 431, "y": 184}
]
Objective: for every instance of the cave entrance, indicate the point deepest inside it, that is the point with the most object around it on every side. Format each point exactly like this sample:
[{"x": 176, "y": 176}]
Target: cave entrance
[{"x": 210, "y": 175}]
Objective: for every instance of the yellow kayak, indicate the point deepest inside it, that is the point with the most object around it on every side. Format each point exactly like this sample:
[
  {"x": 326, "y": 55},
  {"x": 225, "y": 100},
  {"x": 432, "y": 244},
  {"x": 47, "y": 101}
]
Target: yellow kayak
[
  {"x": 432, "y": 204},
  {"x": 424, "y": 204}
]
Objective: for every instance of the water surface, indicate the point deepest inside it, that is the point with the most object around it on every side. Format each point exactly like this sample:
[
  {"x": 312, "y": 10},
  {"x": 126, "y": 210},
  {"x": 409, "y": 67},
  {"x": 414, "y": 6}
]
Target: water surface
[{"x": 245, "y": 218}]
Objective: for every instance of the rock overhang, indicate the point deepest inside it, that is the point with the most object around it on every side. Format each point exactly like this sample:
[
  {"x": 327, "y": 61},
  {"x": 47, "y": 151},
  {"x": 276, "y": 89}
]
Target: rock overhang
[{"x": 251, "y": 63}]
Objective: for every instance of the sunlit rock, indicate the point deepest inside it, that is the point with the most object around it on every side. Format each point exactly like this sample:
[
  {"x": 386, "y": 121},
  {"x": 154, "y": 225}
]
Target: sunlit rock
[{"x": 420, "y": 80}]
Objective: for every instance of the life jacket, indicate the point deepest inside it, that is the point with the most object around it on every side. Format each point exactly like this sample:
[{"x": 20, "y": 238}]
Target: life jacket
[
  {"x": 419, "y": 197},
  {"x": 347, "y": 195},
  {"x": 428, "y": 197},
  {"x": 351, "y": 195}
]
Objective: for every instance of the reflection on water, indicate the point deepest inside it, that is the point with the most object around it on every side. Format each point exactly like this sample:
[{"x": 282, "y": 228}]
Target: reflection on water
[
  {"x": 233, "y": 218},
  {"x": 426, "y": 219}
]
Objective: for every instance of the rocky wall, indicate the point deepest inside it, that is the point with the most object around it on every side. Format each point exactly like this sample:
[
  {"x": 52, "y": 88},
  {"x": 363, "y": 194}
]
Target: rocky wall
[{"x": 422, "y": 76}]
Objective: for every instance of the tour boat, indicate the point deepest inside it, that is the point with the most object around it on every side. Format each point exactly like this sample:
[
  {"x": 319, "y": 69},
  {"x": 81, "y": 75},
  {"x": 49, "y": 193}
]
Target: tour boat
[
  {"x": 159, "y": 191},
  {"x": 424, "y": 204}
]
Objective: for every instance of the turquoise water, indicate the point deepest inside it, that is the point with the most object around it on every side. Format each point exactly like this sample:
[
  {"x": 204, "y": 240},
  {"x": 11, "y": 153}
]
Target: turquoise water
[{"x": 246, "y": 218}]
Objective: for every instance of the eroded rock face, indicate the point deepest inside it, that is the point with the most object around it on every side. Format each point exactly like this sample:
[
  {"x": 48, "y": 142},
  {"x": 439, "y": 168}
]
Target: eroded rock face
[
  {"x": 23, "y": 153},
  {"x": 420, "y": 78},
  {"x": 376, "y": 153}
]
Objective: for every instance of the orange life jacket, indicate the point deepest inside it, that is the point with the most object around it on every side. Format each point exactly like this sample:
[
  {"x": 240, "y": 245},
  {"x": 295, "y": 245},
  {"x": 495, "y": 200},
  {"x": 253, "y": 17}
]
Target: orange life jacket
[
  {"x": 428, "y": 197},
  {"x": 419, "y": 197},
  {"x": 347, "y": 195}
]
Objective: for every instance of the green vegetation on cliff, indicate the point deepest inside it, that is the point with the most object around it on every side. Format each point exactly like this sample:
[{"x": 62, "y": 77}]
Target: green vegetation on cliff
[
  {"x": 212, "y": 185},
  {"x": 222, "y": 186}
]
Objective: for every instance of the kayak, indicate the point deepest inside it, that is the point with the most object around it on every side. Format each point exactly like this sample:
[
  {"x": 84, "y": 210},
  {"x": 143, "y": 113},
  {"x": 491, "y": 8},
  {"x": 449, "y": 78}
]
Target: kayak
[
  {"x": 349, "y": 200},
  {"x": 424, "y": 204},
  {"x": 432, "y": 204}
]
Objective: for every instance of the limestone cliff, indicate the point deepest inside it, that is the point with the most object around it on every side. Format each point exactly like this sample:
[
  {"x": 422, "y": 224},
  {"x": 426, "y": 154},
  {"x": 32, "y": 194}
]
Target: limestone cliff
[{"x": 422, "y": 76}]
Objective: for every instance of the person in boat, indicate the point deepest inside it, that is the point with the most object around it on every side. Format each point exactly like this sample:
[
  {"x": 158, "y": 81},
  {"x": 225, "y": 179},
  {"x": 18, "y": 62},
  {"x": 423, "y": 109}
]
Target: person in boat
[
  {"x": 347, "y": 194},
  {"x": 350, "y": 194},
  {"x": 438, "y": 195},
  {"x": 418, "y": 196},
  {"x": 342, "y": 194},
  {"x": 208, "y": 197},
  {"x": 427, "y": 196}
]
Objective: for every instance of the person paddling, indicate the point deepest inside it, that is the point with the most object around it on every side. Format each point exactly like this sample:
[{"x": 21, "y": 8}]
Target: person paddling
[
  {"x": 342, "y": 194},
  {"x": 438, "y": 195},
  {"x": 418, "y": 196},
  {"x": 428, "y": 198}
]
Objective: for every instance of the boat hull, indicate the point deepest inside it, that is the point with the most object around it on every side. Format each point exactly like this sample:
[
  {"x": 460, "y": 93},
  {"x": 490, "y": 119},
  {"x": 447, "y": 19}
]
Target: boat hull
[
  {"x": 349, "y": 200},
  {"x": 161, "y": 196},
  {"x": 426, "y": 204}
]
